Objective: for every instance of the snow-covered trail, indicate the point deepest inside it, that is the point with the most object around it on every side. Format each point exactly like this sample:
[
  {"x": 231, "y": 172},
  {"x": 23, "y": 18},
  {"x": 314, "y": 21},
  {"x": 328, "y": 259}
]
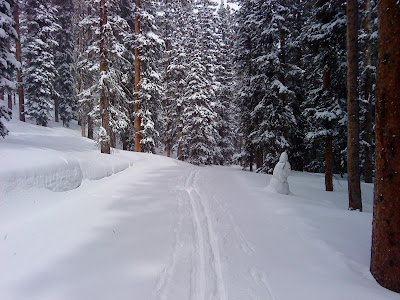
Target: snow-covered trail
[
  {"x": 164, "y": 229},
  {"x": 212, "y": 256}
]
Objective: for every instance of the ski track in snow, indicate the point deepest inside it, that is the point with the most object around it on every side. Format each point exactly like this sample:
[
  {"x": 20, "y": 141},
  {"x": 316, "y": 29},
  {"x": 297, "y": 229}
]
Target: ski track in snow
[{"x": 196, "y": 254}]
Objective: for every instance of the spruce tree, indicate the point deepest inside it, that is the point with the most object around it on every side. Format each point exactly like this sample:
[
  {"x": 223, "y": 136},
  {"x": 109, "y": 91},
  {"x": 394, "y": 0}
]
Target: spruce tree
[
  {"x": 64, "y": 83},
  {"x": 8, "y": 63},
  {"x": 325, "y": 104},
  {"x": 40, "y": 71}
]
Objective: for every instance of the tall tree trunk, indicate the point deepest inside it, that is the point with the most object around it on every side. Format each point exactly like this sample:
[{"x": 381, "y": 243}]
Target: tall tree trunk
[
  {"x": 105, "y": 144},
  {"x": 90, "y": 106},
  {"x": 385, "y": 256},
  {"x": 328, "y": 139},
  {"x": 80, "y": 88},
  {"x": 367, "y": 135},
  {"x": 353, "y": 160},
  {"x": 18, "y": 57},
  {"x": 56, "y": 100},
  {"x": 137, "y": 83},
  {"x": 9, "y": 97}
]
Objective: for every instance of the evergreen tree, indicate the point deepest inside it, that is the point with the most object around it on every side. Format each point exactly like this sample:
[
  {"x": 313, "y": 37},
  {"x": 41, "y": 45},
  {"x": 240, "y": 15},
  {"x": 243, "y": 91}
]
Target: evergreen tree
[
  {"x": 172, "y": 29},
  {"x": 199, "y": 118},
  {"x": 64, "y": 89},
  {"x": 268, "y": 113},
  {"x": 325, "y": 105},
  {"x": 150, "y": 46},
  {"x": 40, "y": 71},
  {"x": 8, "y": 63},
  {"x": 88, "y": 67}
]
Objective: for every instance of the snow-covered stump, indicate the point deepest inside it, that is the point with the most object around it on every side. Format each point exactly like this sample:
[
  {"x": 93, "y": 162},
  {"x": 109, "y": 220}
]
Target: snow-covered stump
[{"x": 279, "y": 183}]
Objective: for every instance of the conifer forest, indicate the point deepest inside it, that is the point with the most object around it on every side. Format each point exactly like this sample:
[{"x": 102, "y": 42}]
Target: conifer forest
[{"x": 222, "y": 83}]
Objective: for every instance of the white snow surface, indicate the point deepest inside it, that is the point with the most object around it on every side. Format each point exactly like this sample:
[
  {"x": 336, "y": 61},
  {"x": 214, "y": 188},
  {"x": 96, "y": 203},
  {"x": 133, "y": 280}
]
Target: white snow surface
[{"x": 77, "y": 224}]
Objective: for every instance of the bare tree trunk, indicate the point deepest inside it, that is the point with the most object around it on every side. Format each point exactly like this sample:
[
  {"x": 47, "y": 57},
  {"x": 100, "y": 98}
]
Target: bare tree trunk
[
  {"x": 90, "y": 106},
  {"x": 328, "y": 139},
  {"x": 18, "y": 57},
  {"x": 367, "y": 135},
  {"x": 105, "y": 144},
  {"x": 80, "y": 88},
  {"x": 353, "y": 160},
  {"x": 137, "y": 83},
  {"x": 385, "y": 254},
  {"x": 9, "y": 100}
]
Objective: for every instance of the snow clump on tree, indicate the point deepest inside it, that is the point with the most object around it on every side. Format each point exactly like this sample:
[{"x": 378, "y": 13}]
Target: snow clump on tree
[{"x": 279, "y": 183}]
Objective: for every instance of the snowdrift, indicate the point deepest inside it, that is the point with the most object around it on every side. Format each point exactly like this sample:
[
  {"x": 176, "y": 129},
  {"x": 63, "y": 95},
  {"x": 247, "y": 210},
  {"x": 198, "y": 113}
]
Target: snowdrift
[{"x": 55, "y": 158}]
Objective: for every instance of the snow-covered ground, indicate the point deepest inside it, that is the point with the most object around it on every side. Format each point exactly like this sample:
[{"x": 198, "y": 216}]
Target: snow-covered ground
[{"x": 76, "y": 224}]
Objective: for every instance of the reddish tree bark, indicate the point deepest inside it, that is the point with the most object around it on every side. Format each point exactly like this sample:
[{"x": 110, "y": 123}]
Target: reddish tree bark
[
  {"x": 353, "y": 159},
  {"x": 385, "y": 254}
]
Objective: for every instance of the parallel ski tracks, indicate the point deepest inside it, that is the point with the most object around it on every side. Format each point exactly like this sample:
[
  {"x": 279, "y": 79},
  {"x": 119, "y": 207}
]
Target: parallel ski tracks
[{"x": 196, "y": 266}]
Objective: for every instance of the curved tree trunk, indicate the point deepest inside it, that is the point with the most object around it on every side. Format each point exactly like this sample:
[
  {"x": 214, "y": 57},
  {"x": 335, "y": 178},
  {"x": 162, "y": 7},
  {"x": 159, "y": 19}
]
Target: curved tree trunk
[{"x": 385, "y": 256}]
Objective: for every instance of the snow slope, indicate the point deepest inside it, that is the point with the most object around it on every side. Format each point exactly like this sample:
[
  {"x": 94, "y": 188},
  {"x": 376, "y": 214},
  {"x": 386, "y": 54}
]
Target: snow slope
[{"x": 75, "y": 224}]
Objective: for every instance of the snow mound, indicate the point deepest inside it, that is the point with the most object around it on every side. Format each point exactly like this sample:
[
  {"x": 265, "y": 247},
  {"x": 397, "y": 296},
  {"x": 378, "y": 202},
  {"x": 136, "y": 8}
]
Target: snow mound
[
  {"x": 54, "y": 158},
  {"x": 279, "y": 182}
]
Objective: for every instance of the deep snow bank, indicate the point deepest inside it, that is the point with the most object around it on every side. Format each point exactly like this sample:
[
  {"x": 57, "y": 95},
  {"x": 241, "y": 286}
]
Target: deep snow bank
[{"x": 55, "y": 158}]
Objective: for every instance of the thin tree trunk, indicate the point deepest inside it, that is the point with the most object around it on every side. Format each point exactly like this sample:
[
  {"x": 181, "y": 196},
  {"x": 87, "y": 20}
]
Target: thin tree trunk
[
  {"x": 385, "y": 254},
  {"x": 90, "y": 106},
  {"x": 105, "y": 144},
  {"x": 80, "y": 88},
  {"x": 328, "y": 139},
  {"x": 9, "y": 100},
  {"x": 353, "y": 160},
  {"x": 137, "y": 83},
  {"x": 328, "y": 164},
  {"x": 367, "y": 135},
  {"x": 18, "y": 57},
  {"x": 251, "y": 159}
]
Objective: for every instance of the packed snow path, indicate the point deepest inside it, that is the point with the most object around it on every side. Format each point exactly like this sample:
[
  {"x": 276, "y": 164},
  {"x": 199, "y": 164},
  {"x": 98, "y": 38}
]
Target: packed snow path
[{"x": 75, "y": 224}]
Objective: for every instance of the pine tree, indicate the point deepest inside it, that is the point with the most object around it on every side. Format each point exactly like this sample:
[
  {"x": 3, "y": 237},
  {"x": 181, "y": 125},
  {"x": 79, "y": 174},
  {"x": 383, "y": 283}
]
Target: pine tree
[
  {"x": 64, "y": 89},
  {"x": 88, "y": 66},
  {"x": 325, "y": 104},
  {"x": 40, "y": 70},
  {"x": 150, "y": 48},
  {"x": 199, "y": 118},
  {"x": 18, "y": 57},
  {"x": 268, "y": 111},
  {"x": 172, "y": 30},
  {"x": 385, "y": 258},
  {"x": 8, "y": 63}
]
